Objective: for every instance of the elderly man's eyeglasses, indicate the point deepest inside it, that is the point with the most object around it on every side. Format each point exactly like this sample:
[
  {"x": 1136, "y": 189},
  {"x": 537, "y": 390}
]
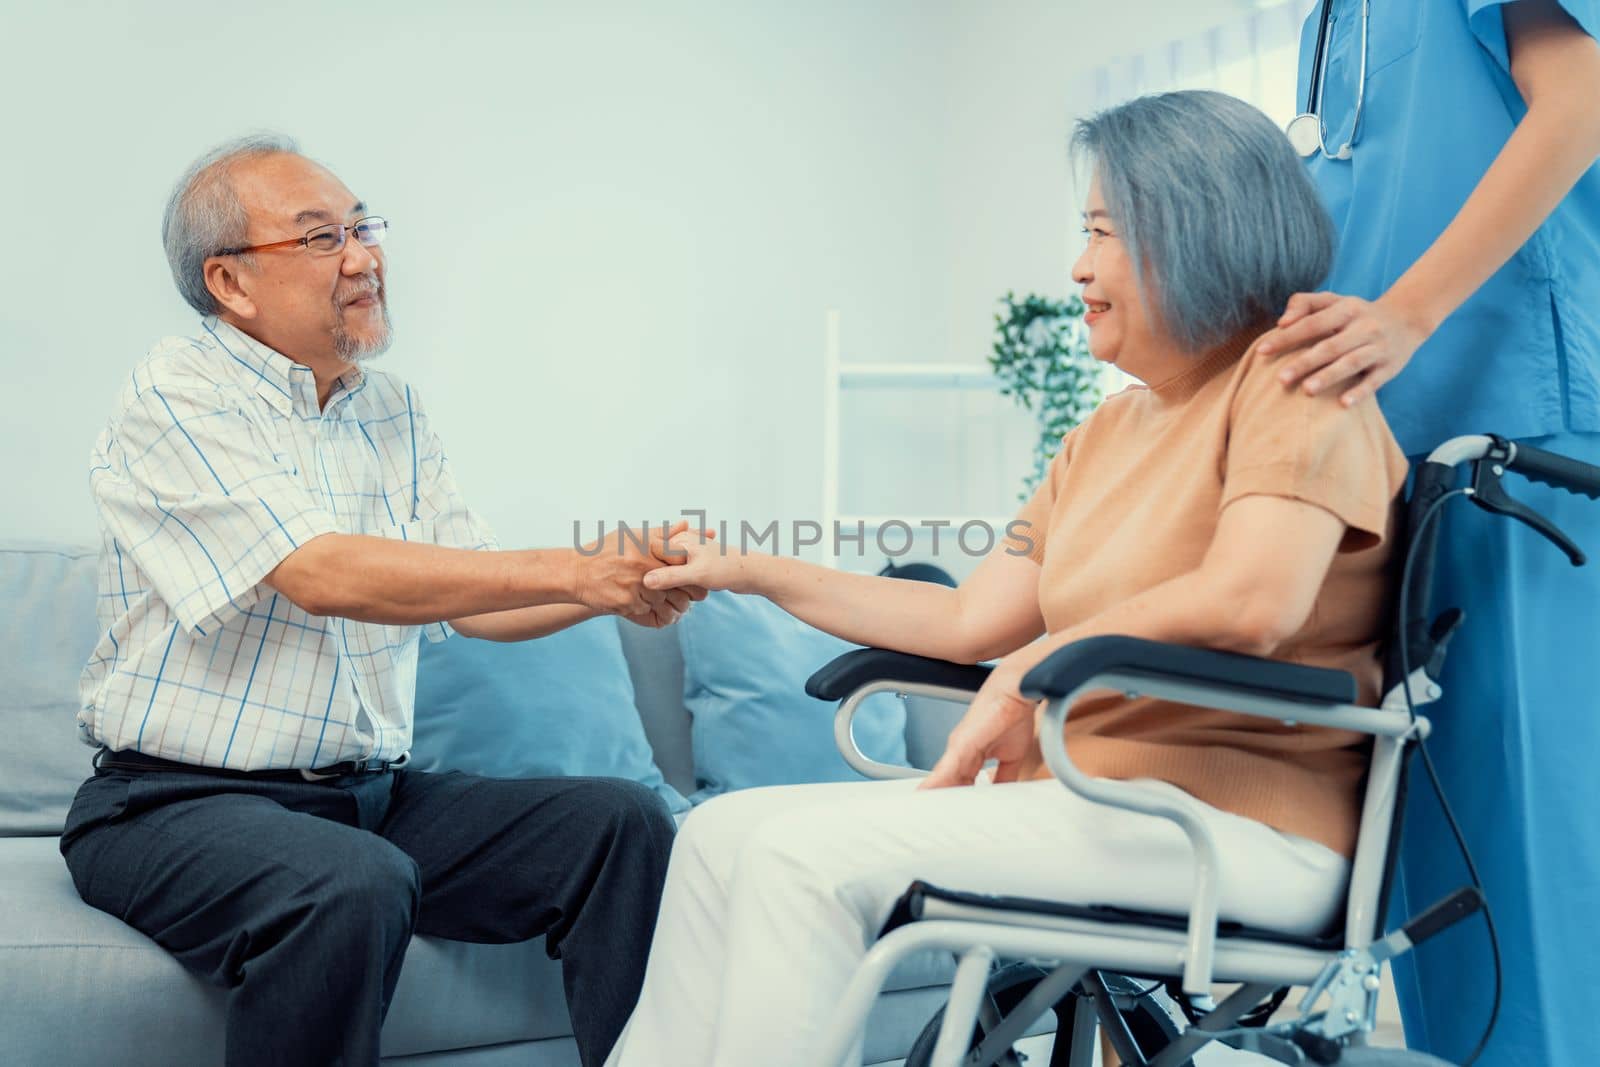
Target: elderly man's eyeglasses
[{"x": 326, "y": 240}]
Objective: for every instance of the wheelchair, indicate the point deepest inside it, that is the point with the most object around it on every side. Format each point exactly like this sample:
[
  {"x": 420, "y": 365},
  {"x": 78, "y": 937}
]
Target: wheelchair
[{"x": 1145, "y": 979}]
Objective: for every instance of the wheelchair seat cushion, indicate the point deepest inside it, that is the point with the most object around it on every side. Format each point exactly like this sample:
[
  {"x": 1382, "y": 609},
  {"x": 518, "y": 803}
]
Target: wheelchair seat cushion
[{"x": 913, "y": 907}]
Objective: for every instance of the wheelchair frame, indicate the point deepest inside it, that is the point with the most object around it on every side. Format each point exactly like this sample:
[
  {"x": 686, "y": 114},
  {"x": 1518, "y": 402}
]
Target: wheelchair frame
[{"x": 980, "y": 932}]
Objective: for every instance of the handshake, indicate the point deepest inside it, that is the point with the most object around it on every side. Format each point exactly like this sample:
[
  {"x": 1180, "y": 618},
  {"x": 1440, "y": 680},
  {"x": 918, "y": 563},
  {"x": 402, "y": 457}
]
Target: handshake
[{"x": 631, "y": 576}]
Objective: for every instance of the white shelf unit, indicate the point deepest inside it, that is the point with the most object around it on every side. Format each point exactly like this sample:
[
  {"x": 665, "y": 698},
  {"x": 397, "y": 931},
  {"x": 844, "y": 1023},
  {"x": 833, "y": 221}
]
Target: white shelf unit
[
  {"x": 838, "y": 376},
  {"x": 916, "y": 375}
]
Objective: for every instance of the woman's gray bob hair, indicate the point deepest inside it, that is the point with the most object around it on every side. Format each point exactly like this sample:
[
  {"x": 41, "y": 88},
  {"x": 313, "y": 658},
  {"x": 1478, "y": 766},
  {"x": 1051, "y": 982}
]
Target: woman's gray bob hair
[
  {"x": 204, "y": 214},
  {"x": 1215, "y": 208}
]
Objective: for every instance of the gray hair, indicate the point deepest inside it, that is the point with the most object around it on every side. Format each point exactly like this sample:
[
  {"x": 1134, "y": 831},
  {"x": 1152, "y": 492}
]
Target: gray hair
[
  {"x": 1215, "y": 209},
  {"x": 204, "y": 214}
]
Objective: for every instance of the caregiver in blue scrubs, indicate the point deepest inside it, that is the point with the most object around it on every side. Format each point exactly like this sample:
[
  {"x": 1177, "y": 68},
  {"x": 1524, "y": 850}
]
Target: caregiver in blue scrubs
[{"x": 1466, "y": 292}]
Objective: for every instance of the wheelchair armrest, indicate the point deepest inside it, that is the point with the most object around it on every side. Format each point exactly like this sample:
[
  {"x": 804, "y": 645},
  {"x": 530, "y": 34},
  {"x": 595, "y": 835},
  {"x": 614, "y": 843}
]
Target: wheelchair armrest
[
  {"x": 1068, "y": 668},
  {"x": 1248, "y": 685},
  {"x": 863, "y": 666},
  {"x": 858, "y": 673}
]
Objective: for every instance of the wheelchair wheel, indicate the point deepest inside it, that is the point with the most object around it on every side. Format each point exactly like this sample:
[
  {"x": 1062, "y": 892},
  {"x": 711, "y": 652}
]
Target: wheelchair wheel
[{"x": 1152, "y": 1018}]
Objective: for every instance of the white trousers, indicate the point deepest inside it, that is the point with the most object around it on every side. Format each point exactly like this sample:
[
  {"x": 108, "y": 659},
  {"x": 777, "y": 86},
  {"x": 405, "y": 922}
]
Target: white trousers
[{"x": 774, "y": 895}]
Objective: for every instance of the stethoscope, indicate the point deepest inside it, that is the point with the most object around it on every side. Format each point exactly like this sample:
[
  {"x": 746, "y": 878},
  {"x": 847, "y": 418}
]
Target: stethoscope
[{"x": 1306, "y": 130}]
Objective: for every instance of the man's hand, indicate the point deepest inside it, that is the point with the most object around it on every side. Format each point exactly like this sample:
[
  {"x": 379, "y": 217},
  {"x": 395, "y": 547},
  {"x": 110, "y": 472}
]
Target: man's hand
[
  {"x": 998, "y": 725},
  {"x": 611, "y": 578}
]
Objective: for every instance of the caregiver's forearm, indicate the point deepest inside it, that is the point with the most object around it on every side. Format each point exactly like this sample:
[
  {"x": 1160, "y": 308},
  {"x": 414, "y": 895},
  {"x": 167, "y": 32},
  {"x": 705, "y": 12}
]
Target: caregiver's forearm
[{"x": 1557, "y": 69}]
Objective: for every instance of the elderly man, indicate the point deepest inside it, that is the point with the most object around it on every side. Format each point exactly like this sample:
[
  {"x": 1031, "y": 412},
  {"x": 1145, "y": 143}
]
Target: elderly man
[{"x": 279, "y": 524}]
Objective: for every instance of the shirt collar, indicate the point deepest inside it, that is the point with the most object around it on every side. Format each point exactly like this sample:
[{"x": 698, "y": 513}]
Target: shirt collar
[
  {"x": 346, "y": 385},
  {"x": 277, "y": 379},
  {"x": 1208, "y": 365}
]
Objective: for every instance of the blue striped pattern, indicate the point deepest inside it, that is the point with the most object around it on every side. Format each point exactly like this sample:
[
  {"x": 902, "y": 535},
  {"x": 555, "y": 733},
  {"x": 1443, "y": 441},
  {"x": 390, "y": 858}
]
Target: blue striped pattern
[{"x": 215, "y": 467}]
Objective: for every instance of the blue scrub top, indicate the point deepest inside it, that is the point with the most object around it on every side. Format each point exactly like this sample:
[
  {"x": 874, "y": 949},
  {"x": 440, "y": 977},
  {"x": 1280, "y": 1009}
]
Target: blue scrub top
[{"x": 1522, "y": 356}]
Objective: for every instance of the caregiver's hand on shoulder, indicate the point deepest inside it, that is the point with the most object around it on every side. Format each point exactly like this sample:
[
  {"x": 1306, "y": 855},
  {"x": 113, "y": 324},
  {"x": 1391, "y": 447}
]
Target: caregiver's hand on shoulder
[
  {"x": 1328, "y": 339},
  {"x": 998, "y": 725}
]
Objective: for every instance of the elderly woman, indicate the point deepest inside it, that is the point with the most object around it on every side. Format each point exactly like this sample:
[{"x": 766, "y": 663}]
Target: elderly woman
[{"x": 1215, "y": 507}]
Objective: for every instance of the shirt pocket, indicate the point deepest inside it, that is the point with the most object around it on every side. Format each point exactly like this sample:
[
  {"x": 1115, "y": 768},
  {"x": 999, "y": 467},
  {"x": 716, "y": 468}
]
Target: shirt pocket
[
  {"x": 1394, "y": 28},
  {"x": 1393, "y": 31}
]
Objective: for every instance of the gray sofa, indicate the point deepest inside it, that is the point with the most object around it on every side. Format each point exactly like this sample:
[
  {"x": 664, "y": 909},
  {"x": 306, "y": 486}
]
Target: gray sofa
[{"x": 77, "y": 986}]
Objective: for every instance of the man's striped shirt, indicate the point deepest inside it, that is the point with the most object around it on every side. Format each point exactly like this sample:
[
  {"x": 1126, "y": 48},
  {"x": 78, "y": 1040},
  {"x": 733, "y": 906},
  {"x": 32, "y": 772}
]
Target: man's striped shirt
[{"x": 217, "y": 465}]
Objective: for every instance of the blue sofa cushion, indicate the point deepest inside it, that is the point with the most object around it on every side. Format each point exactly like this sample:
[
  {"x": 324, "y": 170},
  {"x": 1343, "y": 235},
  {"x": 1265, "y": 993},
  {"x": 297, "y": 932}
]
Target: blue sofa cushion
[
  {"x": 47, "y": 630},
  {"x": 745, "y": 663},
  {"x": 561, "y": 705},
  {"x": 78, "y": 986}
]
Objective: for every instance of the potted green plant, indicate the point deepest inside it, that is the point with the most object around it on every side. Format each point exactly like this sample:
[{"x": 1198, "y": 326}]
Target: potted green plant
[{"x": 1041, "y": 356}]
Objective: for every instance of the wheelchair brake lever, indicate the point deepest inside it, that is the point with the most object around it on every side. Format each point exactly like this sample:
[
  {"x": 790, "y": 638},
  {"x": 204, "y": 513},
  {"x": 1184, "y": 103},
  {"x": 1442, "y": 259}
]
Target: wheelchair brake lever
[
  {"x": 1351, "y": 980},
  {"x": 1489, "y": 494}
]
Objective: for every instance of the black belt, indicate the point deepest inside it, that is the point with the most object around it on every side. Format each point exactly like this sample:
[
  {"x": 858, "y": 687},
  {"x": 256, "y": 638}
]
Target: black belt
[{"x": 105, "y": 759}]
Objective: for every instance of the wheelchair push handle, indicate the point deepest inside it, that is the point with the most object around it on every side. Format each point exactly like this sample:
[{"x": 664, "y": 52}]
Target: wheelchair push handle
[
  {"x": 1555, "y": 470},
  {"x": 1487, "y": 457},
  {"x": 1536, "y": 464}
]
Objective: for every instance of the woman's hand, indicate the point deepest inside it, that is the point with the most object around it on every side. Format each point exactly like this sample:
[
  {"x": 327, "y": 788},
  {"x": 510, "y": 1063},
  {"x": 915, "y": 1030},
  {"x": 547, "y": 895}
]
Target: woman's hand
[
  {"x": 998, "y": 725},
  {"x": 621, "y": 561},
  {"x": 700, "y": 562},
  {"x": 1343, "y": 339}
]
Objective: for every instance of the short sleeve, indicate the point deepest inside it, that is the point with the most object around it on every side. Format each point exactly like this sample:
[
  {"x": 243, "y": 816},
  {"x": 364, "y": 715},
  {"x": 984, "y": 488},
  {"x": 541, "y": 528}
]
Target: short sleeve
[
  {"x": 192, "y": 489},
  {"x": 1025, "y": 535},
  {"x": 1486, "y": 18},
  {"x": 1313, "y": 449},
  {"x": 437, "y": 504}
]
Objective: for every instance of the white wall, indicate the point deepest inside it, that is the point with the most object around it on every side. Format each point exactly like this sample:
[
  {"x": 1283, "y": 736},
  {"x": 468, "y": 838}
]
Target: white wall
[{"x": 616, "y": 226}]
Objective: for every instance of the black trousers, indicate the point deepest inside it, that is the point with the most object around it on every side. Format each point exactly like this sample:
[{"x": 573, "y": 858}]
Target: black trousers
[{"x": 300, "y": 897}]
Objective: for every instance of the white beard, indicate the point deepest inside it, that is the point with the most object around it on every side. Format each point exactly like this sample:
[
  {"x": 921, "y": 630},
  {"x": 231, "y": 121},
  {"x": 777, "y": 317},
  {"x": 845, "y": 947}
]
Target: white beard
[{"x": 362, "y": 351}]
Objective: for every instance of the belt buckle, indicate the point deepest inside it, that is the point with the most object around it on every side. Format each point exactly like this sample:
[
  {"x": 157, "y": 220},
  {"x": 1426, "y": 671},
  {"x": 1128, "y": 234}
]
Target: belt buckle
[{"x": 367, "y": 766}]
